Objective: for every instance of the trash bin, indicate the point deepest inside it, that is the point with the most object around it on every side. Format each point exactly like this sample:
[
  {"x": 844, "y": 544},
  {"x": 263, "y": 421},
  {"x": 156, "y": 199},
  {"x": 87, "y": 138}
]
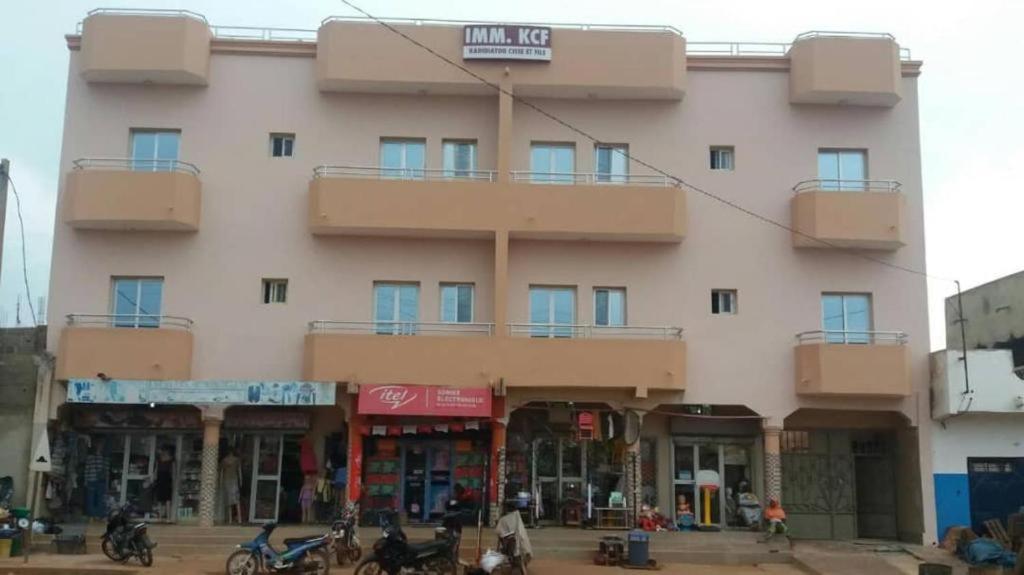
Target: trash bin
[
  {"x": 639, "y": 548},
  {"x": 6, "y": 538},
  {"x": 934, "y": 569}
]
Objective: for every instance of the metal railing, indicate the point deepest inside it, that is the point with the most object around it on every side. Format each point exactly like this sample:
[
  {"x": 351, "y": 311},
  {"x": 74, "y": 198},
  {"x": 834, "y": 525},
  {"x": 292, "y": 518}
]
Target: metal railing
[
  {"x": 381, "y": 173},
  {"x": 171, "y": 13},
  {"x": 853, "y": 337},
  {"x": 141, "y": 321},
  {"x": 591, "y": 178},
  {"x": 131, "y": 164},
  {"x": 264, "y": 34},
  {"x": 777, "y": 49},
  {"x": 587, "y": 331},
  {"x": 401, "y": 327},
  {"x": 562, "y": 25},
  {"x": 827, "y": 185}
]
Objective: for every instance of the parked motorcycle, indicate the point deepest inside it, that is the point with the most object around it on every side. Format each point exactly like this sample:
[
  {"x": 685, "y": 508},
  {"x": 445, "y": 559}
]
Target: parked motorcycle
[
  {"x": 514, "y": 549},
  {"x": 394, "y": 555},
  {"x": 125, "y": 539},
  {"x": 344, "y": 539},
  {"x": 301, "y": 555}
]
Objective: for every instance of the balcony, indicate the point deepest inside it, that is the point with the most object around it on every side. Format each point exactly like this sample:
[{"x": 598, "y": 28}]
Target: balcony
[
  {"x": 468, "y": 355},
  {"x": 611, "y": 62},
  {"x": 856, "y": 69},
  {"x": 852, "y": 214},
  {"x": 125, "y": 194},
  {"x": 376, "y": 201},
  {"x": 873, "y": 364},
  {"x": 145, "y": 47},
  {"x": 160, "y": 348}
]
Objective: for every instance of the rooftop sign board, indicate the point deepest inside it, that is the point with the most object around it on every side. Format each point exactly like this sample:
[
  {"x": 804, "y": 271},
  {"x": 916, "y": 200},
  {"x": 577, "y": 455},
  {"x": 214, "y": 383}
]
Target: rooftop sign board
[{"x": 506, "y": 42}]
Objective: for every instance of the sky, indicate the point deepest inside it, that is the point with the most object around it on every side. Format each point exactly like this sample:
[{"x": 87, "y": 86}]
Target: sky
[{"x": 971, "y": 108}]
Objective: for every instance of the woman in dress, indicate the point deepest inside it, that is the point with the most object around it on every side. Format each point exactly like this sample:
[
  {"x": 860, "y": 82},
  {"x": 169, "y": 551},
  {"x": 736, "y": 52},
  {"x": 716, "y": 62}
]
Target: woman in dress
[
  {"x": 163, "y": 487},
  {"x": 231, "y": 481}
]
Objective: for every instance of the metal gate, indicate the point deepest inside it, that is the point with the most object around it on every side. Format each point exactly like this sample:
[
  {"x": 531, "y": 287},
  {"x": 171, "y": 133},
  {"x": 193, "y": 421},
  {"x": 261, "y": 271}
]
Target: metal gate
[
  {"x": 818, "y": 484},
  {"x": 996, "y": 486}
]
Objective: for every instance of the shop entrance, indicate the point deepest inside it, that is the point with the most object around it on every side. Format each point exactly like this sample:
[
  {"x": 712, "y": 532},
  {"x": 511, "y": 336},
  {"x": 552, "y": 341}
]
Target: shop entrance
[
  {"x": 428, "y": 482},
  {"x": 709, "y": 476},
  {"x": 133, "y": 472}
]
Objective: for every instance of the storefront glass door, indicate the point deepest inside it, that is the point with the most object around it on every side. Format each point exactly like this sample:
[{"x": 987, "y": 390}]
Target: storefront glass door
[
  {"x": 559, "y": 472},
  {"x": 266, "y": 478},
  {"x": 140, "y": 453},
  {"x": 728, "y": 463}
]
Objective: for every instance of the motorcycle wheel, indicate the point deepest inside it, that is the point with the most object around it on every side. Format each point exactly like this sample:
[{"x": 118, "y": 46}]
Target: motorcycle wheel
[
  {"x": 110, "y": 550},
  {"x": 242, "y": 562},
  {"x": 146, "y": 556},
  {"x": 321, "y": 559},
  {"x": 354, "y": 554},
  {"x": 370, "y": 566},
  {"x": 439, "y": 566}
]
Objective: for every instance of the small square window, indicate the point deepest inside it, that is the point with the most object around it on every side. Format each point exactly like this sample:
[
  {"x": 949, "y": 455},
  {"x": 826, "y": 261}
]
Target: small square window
[
  {"x": 275, "y": 290},
  {"x": 723, "y": 301},
  {"x": 723, "y": 158},
  {"x": 282, "y": 145}
]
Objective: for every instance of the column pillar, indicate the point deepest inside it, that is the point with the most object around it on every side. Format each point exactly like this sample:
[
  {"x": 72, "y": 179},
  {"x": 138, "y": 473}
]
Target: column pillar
[
  {"x": 212, "y": 419},
  {"x": 505, "y": 105},
  {"x": 501, "y": 283},
  {"x": 772, "y": 463},
  {"x": 355, "y": 452},
  {"x": 496, "y": 482},
  {"x": 634, "y": 483}
]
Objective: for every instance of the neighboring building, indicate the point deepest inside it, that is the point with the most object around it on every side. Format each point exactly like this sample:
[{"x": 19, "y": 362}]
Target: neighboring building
[
  {"x": 978, "y": 434},
  {"x": 21, "y": 350},
  {"x": 491, "y": 291}
]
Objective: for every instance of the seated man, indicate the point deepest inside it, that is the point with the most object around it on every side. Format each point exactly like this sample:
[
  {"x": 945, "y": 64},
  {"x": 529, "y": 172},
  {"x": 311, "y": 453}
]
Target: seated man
[{"x": 775, "y": 517}]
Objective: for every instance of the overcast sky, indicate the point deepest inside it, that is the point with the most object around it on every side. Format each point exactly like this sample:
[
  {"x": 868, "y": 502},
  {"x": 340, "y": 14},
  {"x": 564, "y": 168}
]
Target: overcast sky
[{"x": 971, "y": 104}]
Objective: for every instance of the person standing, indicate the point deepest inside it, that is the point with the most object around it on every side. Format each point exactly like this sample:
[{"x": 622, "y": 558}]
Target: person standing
[
  {"x": 163, "y": 487},
  {"x": 97, "y": 472},
  {"x": 231, "y": 484}
]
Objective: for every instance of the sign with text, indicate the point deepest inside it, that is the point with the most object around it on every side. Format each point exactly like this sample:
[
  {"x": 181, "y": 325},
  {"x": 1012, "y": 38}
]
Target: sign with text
[
  {"x": 138, "y": 392},
  {"x": 425, "y": 400},
  {"x": 506, "y": 42}
]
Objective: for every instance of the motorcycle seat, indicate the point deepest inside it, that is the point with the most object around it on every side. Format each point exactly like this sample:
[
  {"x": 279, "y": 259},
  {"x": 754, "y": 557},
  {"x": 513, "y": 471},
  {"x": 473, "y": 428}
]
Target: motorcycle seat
[
  {"x": 292, "y": 541},
  {"x": 427, "y": 547}
]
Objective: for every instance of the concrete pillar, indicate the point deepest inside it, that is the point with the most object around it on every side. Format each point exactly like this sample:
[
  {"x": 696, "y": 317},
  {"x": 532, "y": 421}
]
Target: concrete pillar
[
  {"x": 772, "y": 463},
  {"x": 496, "y": 482},
  {"x": 213, "y": 417},
  {"x": 355, "y": 452},
  {"x": 634, "y": 482},
  {"x": 505, "y": 105},
  {"x": 501, "y": 283}
]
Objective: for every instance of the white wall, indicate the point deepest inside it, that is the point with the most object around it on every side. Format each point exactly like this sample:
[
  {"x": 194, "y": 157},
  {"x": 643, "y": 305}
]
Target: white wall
[
  {"x": 975, "y": 435},
  {"x": 994, "y": 386}
]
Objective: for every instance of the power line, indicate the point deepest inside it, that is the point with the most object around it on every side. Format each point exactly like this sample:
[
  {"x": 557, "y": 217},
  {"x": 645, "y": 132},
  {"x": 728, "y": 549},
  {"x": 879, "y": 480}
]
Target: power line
[
  {"x": 680, "y": 182},
  {"x": 24, "y": 258}
]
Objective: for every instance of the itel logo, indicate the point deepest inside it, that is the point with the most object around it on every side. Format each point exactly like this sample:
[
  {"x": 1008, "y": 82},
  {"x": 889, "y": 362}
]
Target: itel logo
[{"x": 393, "y": 395}]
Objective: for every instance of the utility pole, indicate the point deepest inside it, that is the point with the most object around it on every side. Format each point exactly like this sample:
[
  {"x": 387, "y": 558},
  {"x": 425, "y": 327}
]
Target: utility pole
[{"x": 5, "y": 170}]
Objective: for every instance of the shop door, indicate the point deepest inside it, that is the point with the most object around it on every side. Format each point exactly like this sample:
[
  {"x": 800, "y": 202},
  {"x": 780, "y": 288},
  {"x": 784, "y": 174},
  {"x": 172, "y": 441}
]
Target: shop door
[
  {"x": 818, "y": 484},
  {"x": 266, "y": 480},
  {"x": 996, "y": 487},
  {"x": 545, "y": 476},
  {"x": 140, "y": 454},
  {"x": 706, "y": 502}
]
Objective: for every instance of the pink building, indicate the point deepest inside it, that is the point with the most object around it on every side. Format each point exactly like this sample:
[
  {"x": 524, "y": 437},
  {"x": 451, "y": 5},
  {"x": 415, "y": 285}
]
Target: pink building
[{"x": 490, "y": 281}]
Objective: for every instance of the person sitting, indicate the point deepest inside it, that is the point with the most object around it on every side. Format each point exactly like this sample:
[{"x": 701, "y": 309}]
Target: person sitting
[
  {"x": 684, "y": 513},
  {"x": 775, "y": 517}
]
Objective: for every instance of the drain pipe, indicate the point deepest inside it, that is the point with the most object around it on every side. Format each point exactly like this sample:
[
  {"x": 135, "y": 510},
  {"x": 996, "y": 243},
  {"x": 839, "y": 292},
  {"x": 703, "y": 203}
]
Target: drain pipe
[{"x": 963, "y": 335}]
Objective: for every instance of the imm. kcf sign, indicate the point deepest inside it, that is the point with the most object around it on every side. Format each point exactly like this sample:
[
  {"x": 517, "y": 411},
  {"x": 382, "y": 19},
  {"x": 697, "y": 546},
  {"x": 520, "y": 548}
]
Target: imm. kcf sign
[{"x": 506, "y": 42}]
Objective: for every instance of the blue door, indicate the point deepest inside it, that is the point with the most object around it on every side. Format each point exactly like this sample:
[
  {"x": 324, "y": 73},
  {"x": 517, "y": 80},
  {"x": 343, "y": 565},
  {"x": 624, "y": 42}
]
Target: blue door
[{"x": 997, "y": 489}]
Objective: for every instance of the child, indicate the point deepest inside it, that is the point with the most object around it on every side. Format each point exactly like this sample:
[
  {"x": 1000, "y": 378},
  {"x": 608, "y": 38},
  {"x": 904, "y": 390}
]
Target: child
[
  {"x": 684, "y": 513},
  {"x": 306, "y": 498},
  {"x": 776, "y": 518}
]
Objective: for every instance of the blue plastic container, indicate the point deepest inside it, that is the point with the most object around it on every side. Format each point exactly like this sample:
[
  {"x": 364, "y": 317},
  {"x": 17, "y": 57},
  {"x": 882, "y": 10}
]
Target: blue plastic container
[{"x": 639, "y": 548}]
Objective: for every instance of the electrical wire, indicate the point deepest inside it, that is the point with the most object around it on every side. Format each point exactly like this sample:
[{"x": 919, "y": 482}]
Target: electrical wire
[
  {"x": 24, "y": 258},
  {"x": 679, "y": 182}
]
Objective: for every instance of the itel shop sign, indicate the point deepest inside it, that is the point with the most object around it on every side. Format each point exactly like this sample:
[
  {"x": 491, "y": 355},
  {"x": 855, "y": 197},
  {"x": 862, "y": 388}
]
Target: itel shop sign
[
  {"x": 501, "y": 42},
  {"x": 424, "y": 400}
]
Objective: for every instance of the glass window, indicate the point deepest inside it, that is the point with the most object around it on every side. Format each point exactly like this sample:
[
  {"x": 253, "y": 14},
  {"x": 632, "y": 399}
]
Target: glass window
[
  {"x": 282, "y": 145},
  {"x": 403, "y": 159},
  {"x": 155, "y": 150},
  {"x": 722, "y": 158},
  {"x": 846, "y": 318},
  {"x": 723, "y": 301},
  {"x": 137, "y": 302},
  {"x": 552, "y": 308},
  {"x": 609, "y": 306},
  {"x": 457, "y": 303},
  {"x": 275, "y": 290},
  {"x": 611, "y": 162},
  {"x": 553, "y": 163},
  {"x": 459, "y": 159},
  {"x": 842, "y": 170},
  {"x": 396, "y": 308}
]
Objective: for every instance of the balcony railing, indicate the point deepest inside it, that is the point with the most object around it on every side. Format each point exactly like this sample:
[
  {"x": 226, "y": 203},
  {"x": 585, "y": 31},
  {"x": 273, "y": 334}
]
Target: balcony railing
[
  {"x": 563, "y": 25},
  {"x": 264, "y": 34},
  {"x": 827, "y": 185},
  {"x": 401, "y": 327},
  {"x": 592, "y": 178},
  {"x": 853, "y": 337},
  {"x": 135, "y": 165},
  {"x": 141, "y": 321},
  {"x": 587, "y": 331},
  {"x": 381, "y": 173},
  {"x": 776, "y": 49}
]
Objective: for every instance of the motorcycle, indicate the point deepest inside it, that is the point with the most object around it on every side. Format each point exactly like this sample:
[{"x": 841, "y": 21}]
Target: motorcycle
[
  {"x": 301, "y": 555},
  {"x": 344, "y": 539},
  {"x": 123, "y": 539},
  {"x": 394, "y": 555},
  {"x": 514, "y": 549}
]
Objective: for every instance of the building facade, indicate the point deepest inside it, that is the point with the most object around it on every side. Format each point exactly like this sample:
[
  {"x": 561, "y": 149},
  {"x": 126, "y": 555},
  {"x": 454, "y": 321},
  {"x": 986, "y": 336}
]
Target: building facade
[
  {"x": 978, "y": 407},
  {"x": 22, "y": 351},
  {"x": 491, "y": 269}
]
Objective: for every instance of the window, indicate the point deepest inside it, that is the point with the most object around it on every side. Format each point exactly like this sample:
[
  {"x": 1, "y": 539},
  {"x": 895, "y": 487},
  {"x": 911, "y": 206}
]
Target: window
[
  {"x": 722, "y": 158},
  {"x": 457, "y": 303},
  {"x": 396, "y": 308},
  {"x": 846, "y": 318},
  {"x": 609, "y": 306},
  {"x": 611, "y": 163},
  {"x": 795, "y": 441},
  {"x": 553, "y": 163},
  {"x": 723, "y": 301},
  {"x": 842, "y": 170},
  {"x": 403, "y": 159},
  {"x": 137, "y": 302},
  {"x": 282, "y": 145},
  {"x": 155, "y": 150},
  {"x": 275, "y": 290},
  {"x": 459, "y": 158},
  {"x": 553, "y": 309}
]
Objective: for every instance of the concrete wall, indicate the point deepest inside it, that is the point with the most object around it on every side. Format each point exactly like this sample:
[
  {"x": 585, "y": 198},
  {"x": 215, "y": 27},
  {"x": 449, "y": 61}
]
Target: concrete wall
[
  {"x": 18, "y": 348},
  {"x": 994, "y": 387},
  {"x": 994, "y": 314}
]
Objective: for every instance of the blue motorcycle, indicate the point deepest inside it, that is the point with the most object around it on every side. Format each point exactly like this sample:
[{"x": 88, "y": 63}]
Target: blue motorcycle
[{"x": 302, "y": 555}]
